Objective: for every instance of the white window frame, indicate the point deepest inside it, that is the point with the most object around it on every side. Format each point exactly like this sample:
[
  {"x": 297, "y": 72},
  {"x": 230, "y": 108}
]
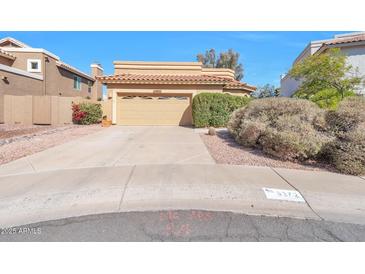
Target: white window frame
[
  {"x": 29, "y": 65},
  {"x": 78, "y": 82}
]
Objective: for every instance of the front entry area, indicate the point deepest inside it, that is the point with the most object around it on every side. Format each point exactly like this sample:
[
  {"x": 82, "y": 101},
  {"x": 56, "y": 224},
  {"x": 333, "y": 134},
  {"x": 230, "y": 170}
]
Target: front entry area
[{"x": 154, "y": 109}]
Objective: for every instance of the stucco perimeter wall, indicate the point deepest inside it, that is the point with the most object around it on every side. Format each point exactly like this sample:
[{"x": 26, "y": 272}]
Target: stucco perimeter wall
[
  {"x": 107, "y": 108},
  {"x": 44, "y": 110},
  {"x": 18, "y": 109}
]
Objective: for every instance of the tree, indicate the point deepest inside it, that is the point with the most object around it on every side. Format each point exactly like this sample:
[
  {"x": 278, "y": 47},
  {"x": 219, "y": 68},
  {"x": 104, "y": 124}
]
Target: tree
[
  {"x": 266, "y": 91},
  {"x": 326, "y": 71},
  {"x": 227, "y": 59}
]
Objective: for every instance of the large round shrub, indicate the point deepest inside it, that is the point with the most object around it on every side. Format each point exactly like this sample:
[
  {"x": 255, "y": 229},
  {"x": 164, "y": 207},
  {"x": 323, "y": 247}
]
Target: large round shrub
[
  {"x": 214, "y": 109},
  {"x": 286, "y": 128}
]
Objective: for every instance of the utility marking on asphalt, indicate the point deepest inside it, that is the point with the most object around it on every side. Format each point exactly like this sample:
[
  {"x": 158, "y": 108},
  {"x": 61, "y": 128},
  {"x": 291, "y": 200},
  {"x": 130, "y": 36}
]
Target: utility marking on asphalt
[{"x": 283, "y": 194}]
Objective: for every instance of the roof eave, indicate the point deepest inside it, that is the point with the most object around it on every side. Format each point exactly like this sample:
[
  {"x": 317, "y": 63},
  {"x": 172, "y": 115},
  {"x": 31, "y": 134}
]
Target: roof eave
[
  {"x": 80, "y": 73},
  {"x": 116, "y": 81},
  {"x": 340, "y": 44},
  {"x": 7, "y": 56}
]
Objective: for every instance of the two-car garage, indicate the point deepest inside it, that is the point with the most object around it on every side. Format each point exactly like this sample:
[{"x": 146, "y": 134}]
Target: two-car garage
[{"x": 153, "y": 109}]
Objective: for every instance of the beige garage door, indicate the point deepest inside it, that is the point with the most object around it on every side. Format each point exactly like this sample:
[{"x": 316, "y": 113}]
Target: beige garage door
[{"x": 133, "y": 109}]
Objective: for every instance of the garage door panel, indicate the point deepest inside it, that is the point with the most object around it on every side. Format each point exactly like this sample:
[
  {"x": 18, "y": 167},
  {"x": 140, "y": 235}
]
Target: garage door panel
[{"x": 154, "y": 110}]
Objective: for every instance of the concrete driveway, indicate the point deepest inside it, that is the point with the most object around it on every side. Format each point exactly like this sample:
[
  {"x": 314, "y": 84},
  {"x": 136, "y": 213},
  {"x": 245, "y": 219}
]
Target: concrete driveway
[
  {"x": 116, "y": 146},
  {"x": 123, "y": 169}
]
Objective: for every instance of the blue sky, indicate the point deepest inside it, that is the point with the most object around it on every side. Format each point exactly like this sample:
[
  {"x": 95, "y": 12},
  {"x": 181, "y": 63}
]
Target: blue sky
[{"x": 265, "y": 55}]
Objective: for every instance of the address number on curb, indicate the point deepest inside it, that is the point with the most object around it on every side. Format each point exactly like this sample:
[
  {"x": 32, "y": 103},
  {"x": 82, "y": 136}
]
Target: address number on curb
[{"x": 283, "y": 194}]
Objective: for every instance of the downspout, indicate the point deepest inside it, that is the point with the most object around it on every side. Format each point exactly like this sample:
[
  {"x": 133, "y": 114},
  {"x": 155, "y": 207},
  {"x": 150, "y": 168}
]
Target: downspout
[{"x": 44, "y": 76}]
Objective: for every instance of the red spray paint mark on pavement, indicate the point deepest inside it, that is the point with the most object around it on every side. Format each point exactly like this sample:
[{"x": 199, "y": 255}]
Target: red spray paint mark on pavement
[{"x": 183, "y": 228}]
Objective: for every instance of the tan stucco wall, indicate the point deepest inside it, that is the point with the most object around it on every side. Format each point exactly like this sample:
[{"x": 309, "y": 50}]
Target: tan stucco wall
[
  {"x": 20, "y": 85},
  {"x": 237, "y": 92},
  {"x": 59, "y": 82},
  {"x": 107, "y": 108},
  {"x": 97, "y": 88},
  {"x": 157, "y": 67},
  {"x": 186, "y": 89},
  {"x": 21, "y": 60}
]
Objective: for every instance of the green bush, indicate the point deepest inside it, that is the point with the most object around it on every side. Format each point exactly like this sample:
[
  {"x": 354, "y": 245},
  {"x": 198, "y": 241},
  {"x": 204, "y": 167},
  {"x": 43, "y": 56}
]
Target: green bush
[
  {"x": 347, "y": 153},
  {"x": 214, "y": 109},
  {"x": 349, "y": 115},
  {"x": 87, "y": 113},
  {"x": 286, "y": 128},
  {"x": 329, "y": 98}
]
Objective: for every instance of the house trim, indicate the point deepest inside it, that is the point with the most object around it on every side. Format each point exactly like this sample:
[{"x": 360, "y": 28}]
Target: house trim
[
  {"x": 96, "y": 66},
  {"x": 20, "y": 72},
  {"x": 37, "y": 50}
]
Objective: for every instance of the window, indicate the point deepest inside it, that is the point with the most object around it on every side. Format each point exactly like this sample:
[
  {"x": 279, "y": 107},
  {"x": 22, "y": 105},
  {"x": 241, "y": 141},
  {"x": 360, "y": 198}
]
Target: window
[
  {"x": 77, "y": 83},
  {"x": 34, "y": 65}
]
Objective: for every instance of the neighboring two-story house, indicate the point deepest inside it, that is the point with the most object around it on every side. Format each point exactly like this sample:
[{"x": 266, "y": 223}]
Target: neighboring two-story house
[
  {"x": 25, "y": 70},
  {"x": 351, "y": 44}
]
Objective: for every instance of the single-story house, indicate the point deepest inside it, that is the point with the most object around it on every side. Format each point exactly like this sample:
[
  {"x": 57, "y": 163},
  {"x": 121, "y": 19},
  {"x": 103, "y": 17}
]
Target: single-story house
[{"x": 160, "y": 93}]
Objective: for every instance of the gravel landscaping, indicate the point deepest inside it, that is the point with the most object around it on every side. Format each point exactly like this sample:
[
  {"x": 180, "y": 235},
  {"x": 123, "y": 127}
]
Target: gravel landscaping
[
  {"x": 17, "y": 141},
  {"x": 225, "y": 150}
]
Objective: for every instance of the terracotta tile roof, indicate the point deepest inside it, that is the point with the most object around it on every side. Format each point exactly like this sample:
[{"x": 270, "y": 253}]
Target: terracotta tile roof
[
  {"x": 74, "y": 70},
  {"x": 352, "y": 39},
  {"x": 339, "y": 41},
  {"x": 6, "y": 54},
  {"x": 176, "y": 79}
]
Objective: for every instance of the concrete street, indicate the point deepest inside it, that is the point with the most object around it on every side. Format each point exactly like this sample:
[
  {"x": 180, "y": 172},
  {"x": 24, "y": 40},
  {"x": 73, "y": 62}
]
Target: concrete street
[
  {"x": 191, "y": 225},
  {"x": 124, "y": 169}
]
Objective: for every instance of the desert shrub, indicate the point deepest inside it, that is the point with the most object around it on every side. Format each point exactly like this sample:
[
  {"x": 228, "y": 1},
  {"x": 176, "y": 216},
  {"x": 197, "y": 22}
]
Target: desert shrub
[
  {"x": 290, "y": 144},
  {"x": 350, "y": 114},
  {"x": 86, "y": 113},
  {"x": 347, "y": 153},
  {"x": 329, "y": 98},
  {"x": 214, "y": 109},
  {"x": 250, "y": 133},
  {"x": 286, "y": 128}
]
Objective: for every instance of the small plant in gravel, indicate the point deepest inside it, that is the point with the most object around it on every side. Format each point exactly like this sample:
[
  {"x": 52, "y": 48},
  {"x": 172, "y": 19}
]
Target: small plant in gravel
[
  {"x": 289, "y": 129},
  {"x": 86, "y": 113},
  {"x": 211, "y": 131}
]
